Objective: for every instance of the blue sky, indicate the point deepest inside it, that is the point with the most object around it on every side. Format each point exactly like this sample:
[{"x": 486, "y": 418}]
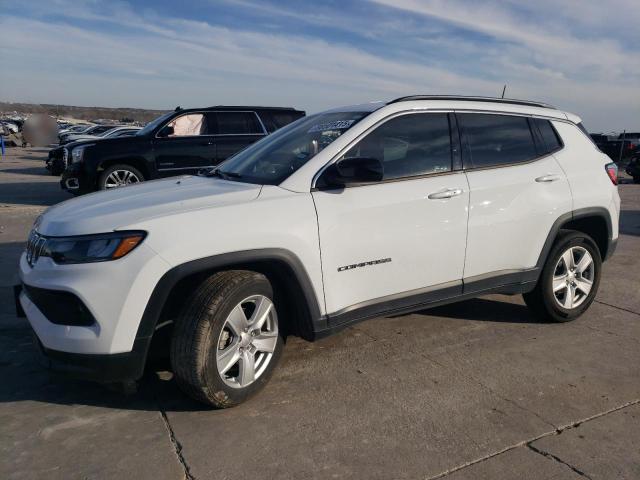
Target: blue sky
[{"x": 580, "y": 55}]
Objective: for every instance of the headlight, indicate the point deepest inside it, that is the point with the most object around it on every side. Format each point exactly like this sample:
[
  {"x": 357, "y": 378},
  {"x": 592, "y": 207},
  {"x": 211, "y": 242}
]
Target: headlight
[
  {"x": 78, "y": 152},
  {"x": 85, "y": 248}
]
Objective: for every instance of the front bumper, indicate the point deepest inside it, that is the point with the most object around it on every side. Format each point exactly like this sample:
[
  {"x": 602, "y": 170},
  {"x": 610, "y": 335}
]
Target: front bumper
[
  {"x": 119, "y": 367},
  {"x": 104, "y": 368},
  {"x": 75, "y": 181},
  {"x": 55, "y": 163},
  {"x": 114, "y": 294}
]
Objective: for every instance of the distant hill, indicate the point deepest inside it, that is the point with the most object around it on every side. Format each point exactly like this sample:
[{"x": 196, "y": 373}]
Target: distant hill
[{"x": 83, "y": 113}]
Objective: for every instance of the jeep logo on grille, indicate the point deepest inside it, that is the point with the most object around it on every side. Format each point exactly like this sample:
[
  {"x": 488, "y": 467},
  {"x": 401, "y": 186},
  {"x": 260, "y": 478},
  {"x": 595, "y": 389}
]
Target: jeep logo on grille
[{"x": 35, "y": 245}]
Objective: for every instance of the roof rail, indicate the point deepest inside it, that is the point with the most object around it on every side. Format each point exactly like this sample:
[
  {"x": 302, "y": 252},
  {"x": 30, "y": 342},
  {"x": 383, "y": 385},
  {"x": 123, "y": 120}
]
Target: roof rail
[
  {"x": 250, "y": 107},
  {"x": 473, "y": 99}
]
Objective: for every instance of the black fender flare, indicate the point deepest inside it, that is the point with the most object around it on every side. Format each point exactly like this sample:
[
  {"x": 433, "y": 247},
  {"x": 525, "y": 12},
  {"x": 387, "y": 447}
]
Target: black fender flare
[
  {"x": 166, "y": 283},
  {"x": 600, "y": 212}
]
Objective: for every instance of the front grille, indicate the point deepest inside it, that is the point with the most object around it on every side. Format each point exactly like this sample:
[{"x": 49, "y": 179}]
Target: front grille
[
  {"x": 35, "y": 246},
  {"x": 65, "y": 157}
]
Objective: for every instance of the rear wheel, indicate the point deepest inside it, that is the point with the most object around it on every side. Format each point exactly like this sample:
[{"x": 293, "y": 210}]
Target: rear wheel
[
  {"x": 118, "y": 176},
  {"x": 569, "y": 280},
  {"x": 227, "y": 341}
]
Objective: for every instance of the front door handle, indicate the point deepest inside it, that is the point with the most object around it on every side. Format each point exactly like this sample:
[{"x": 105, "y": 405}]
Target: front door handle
[
  {"x": 547, "y": 178},
  {"x": 446, "y": 193}
]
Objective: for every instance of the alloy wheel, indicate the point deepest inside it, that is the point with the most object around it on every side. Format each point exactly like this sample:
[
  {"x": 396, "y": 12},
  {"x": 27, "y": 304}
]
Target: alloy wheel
[
  {"x": 120, "y": 178},
  {"x": 247, "y": 341},
  {"x": 573, "y": 277}
]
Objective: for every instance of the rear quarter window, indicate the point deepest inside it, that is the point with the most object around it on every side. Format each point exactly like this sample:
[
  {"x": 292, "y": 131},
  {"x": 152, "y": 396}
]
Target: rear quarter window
[
  {"x": 275, "y": 119},
  {"x": 550, "y": 138}
]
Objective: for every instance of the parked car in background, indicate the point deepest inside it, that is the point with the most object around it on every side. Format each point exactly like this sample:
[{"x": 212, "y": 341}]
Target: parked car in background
[
  {"x": 10, "y": 126},
  {"x": 632, "y": 136},
  {"x": 73, "y": 129},
  {"x": 95, "y": 131},
  {"x": 57, "y": 159},
  {"x": 633, "y": 167},
  {"x": 180, "y": 142},
  {"x": 618, "y": 149},
  {"x": 113, "y": 131},
  {"x": 600, "y": 139}
]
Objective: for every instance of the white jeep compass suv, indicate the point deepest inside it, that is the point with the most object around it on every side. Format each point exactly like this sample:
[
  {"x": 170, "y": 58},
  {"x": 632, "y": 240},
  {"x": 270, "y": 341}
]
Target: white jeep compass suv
[{"x": 341, "y": 216}]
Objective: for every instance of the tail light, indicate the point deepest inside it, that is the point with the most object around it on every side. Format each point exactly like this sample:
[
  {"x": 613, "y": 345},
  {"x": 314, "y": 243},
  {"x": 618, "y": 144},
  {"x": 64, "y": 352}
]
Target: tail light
[{"x": 612, "y": 171}]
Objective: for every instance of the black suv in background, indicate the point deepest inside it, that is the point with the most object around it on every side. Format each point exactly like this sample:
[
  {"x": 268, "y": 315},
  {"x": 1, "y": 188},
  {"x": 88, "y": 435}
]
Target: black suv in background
[
  {"x": 177, "y": 143},
  {"x": 56, "y": 161}
]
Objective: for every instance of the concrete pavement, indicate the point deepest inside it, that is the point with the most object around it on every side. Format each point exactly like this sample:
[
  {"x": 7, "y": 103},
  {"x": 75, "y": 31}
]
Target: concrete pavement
[{"x": 474, "y": 390}]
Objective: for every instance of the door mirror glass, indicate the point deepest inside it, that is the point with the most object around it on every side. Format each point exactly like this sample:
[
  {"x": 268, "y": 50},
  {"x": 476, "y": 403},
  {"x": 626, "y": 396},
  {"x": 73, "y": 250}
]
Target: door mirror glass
[{"x": 353, "y": 170}]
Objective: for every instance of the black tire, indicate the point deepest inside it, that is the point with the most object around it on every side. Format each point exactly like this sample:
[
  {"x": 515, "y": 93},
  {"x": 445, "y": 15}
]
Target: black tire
[
  {"x": 542, "y": 300},
  {"x": 102, "y": 179},
  {"x": 198, "y": 332},
  {"x": 636, "y": 179}
]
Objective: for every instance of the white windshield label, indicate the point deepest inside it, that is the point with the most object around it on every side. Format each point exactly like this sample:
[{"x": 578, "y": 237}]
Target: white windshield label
[{"x": 335, "y": 125}]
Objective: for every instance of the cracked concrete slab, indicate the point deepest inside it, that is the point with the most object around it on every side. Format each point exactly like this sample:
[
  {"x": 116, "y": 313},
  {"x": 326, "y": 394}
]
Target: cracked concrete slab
[
  {"x": 604, "y": 448},
  {"x": 520, "y": 463},
  {"x": 541, "y": 367},
  {"x": 60, "y": 429},
  {"x": 375, "y": 410},
  {"x": 406, "y": 397}
]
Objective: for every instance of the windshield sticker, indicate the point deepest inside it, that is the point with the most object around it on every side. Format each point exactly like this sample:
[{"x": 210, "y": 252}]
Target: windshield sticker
[{"x": 335, "y": 125}]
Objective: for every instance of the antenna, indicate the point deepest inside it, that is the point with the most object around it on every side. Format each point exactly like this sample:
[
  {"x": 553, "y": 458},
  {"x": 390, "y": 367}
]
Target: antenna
[{"x": 504, "y": 89}]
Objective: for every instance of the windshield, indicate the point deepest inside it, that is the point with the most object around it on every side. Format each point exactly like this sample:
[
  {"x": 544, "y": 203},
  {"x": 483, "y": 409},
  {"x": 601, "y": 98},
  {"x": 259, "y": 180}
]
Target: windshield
[
  {"x": 149, "y": 127},
  {"x": 271, "y": 160}
]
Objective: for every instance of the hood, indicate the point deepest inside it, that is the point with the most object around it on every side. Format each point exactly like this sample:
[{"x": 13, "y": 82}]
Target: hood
[
  {"x": 121, "y": 207},
  {"x": 75, "y": 138},
  {"x": 89, "y": 140},
  {"x": 77, "y": 143}
]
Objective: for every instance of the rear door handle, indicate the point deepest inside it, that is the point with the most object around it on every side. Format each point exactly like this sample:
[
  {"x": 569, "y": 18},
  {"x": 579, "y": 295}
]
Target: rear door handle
[
  {"x": 446, "y": 193},
  {"x": 547, "y": 178}
]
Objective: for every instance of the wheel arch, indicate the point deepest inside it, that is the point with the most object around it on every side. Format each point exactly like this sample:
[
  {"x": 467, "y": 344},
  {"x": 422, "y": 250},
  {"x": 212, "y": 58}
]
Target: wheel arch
[
  {"x": 136, "y": 162},
  {"x": 281, "y": 267},
  {"x": 593, "y": 221}
]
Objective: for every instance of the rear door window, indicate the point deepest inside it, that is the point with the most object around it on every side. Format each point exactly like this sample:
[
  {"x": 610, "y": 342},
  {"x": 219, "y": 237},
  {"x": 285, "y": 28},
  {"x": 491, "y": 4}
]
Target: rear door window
[
  {"x": 495, "y": 140},
  {"x": 237, "y": 123}
]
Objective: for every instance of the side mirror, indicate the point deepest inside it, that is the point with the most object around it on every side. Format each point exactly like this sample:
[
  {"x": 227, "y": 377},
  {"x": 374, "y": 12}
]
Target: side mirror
[
  {"x": 352, "y": 171},
  {"x": 166, "y": 131}
]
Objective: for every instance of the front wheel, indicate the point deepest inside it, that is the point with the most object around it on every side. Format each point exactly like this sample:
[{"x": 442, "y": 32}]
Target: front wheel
[
  {"x": 227, "y": 340},
  {"x": 636, "y": 179},
  {"x": 569, "y": 280},
  {"x": 119, "y": 176}
]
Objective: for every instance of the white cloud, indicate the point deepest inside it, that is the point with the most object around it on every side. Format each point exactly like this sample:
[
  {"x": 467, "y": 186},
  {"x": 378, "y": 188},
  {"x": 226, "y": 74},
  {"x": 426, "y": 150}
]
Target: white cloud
[
  {"x": 146, "y": 60},
  {"x": 548, "y": 40}
]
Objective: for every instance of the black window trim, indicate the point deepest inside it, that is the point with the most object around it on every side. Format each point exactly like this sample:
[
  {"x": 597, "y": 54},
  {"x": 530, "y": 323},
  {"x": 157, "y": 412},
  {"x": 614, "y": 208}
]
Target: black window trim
[
  {"x": 540, "y": 154},
  {"x": 205, "y": 112},
  {"x": 456, "y": 166},
  {"x": 462, "y": 164}
]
